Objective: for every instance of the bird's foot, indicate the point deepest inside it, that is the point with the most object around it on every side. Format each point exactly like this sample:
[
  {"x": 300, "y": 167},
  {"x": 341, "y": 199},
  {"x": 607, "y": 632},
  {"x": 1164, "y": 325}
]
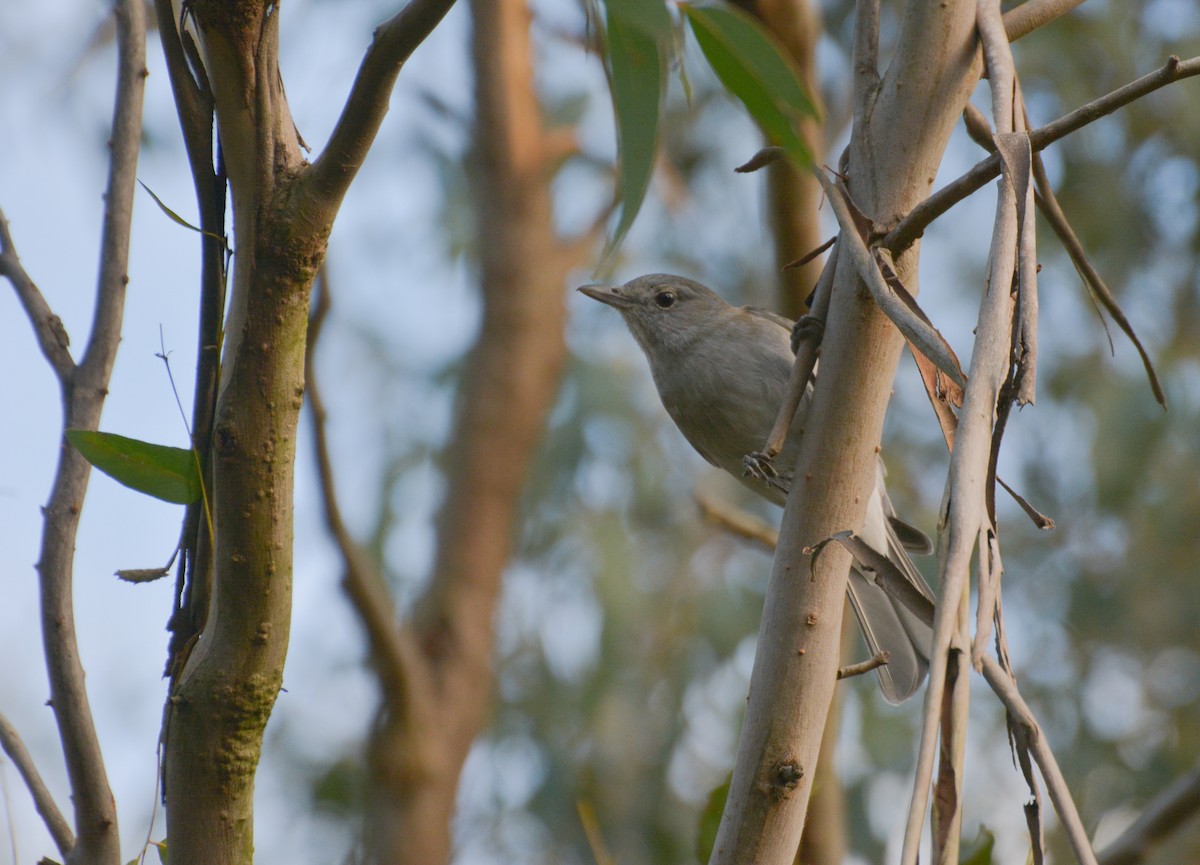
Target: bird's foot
[
  {"x": 759, "y": 465},
  {"x": 807, "y": 328}
]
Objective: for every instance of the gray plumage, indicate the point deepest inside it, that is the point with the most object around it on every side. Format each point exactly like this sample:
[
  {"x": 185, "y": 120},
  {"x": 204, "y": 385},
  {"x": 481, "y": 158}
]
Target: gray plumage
[{"x": 721, "y": 372}]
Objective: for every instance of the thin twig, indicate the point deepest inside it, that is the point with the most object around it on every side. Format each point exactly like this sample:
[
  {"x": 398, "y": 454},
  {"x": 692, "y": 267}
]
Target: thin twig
[
  {"x": 394, "y": 42},
  {"x": 912, "y": 226},
  {"x": 803, "y": 364},
  {"x": 1032, "y": 14},
  {"x": 392, "y": 653},
  {"x": 56, "y": 824},
  {"x": 1092, "y": 280},
  {"x": 47, "y": 327},
  {"x": 1048, "y": 205},
  {"x": 1169, "y": 810},
  {"x": 997, "y": 54},
  {"x": 915, "y": 329},
  {"x": 1006, "y": 689},
  {"x": 877, "y": 660},
  {"x": 736, "y": 522},
  {"x": 964, "y": 500}
]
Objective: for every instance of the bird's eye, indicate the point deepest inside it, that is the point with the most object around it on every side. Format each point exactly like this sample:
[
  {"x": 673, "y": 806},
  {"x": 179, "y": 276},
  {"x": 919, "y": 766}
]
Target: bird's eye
[{"x": 665, "y": 299}]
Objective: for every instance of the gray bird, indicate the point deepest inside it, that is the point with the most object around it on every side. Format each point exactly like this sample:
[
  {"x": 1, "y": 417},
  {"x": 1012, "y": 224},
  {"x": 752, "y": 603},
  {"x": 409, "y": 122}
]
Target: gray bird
[{"x": 721, "y": 372}]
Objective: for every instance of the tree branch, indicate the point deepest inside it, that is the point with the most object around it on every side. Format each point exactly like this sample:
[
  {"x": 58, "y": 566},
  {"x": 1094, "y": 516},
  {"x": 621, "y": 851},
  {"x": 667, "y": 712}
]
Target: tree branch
[
  {"x": 47, "y": 327},
  {"x": 1166, "y": 813},
  {"x": 393, "y": 653},
  {"x": 83, "y": 398},
  {"x": 56, "y": 824},
  {"x": 1006, "y": 689},
  {"x": 195, "y": 105},
  {"x": 394, "y": 42},
  {"x": 736, "y": 522},
  {"x": 1032, "y": 14},
  {"x": 124, "y": 143},
  {"x": 915, "y": 327},
  {"x": 909, "y": 229},
  {"x": 964, "y": 500}
]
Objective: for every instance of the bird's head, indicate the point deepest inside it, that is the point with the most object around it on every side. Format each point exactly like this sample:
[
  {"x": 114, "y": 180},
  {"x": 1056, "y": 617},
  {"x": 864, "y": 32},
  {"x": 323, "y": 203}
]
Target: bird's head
[{"x": 664, "y": 312}]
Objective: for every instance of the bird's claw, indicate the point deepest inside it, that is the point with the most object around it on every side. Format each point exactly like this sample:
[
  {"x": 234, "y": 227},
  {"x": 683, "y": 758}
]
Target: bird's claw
[
  {"x": 759, "y": 466},
  {"x": 806, "y": 328}
]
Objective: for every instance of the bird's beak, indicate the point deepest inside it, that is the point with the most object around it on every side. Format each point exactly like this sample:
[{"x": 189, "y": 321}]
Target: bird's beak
[{"x": 606, "y": 294}]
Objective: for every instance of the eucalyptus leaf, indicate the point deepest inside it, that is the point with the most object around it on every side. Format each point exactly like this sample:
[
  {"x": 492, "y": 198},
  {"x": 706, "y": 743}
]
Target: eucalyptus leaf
[
  {"x": 635, "y": 43},
  {"x": 757, "y": 70},
  {"x": 163, "y": 472}
]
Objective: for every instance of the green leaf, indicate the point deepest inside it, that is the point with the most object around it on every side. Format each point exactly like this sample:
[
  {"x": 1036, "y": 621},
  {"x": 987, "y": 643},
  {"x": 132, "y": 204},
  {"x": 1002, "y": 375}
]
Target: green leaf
[
  {"x": 161, "y": 846},
  {"x": 649, "y": 16},
  {"x": 979, "y": 851},
  {"x": 757, "y": 70},
  {"x": 636, "y": 35},
  {"x": 179, "y": 220},
  {"x": 162, "y": 472},
  {"x": 710, "y": 820}
]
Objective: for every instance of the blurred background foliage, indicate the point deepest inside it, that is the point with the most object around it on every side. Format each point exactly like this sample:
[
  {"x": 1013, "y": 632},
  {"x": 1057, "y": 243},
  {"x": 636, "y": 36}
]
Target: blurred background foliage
[{"x": 626, "y": 630}]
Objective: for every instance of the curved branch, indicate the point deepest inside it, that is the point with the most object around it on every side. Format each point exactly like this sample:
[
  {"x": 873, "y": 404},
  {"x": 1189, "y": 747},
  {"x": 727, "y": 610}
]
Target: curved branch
[
  {"x": 83, "y": 397},
  {"x": 912, "y": 226},
  {"x": 395, "y": 657},
  {"x": 47, "y": 327},
  {"x": 1031, "y": 15},
  {"x": 1005, "y": 688},
  {"x": 124, "y": 143},
  {"x": 56, "y": 824},
  {"x": 1171, "y": 808},
  {"x": 394, "y": 42}
]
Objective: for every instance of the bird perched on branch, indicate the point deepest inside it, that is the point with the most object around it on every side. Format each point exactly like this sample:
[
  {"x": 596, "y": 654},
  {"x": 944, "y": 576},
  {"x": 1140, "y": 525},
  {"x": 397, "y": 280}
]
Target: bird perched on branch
[{"x": 721, "y": 372}]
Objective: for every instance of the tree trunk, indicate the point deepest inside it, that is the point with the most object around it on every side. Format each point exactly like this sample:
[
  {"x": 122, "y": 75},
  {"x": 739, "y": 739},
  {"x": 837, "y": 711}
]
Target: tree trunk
[{"x": 901, "y": 125}]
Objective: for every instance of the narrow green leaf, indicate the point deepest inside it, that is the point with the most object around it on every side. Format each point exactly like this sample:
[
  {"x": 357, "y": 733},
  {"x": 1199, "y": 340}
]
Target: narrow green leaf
[
  {"x": 757, "y": 70},
  {"x": 163, "y": 472},
  {"x": 635, "y": 39},
  {"x": 176, "y": 218},
  {"x": 710, "y": 820},
  {"x": 162, "y": 850}
]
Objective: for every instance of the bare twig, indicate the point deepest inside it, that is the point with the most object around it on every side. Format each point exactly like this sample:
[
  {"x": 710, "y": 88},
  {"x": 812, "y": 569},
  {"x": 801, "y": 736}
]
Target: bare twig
[
  {"x": 47, "y": 327},
  {"x": 1005, "y": 688},
  {"x": 391, "y": 650},
  {"x": 394, "y": 42},
  {"x": 56, "y": 824},
  {"x": 947, "y": 809},
  {"x": 736, "y": 522},
  {"x": 804, "y": 363},
  {"x": 1169, "y": 810},
  {"x": 913, "y": 225},
  {"x": 872, "y": 663},
  {"x": 194, "y": 101},
  {"x": 964, "y": 508},
  {"x": 83, "y": 397},
  {"x": 1091, "y": 277},
  {"x": 916, "y": 329},
  {"x": 1032, "y": 14},
  {"x": 997, "y": 54}
]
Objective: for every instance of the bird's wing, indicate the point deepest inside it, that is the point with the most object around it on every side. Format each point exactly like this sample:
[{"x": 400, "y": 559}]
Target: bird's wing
[
  {"x": 758, "y": 312},
  {"x": 887, "y": 624}
]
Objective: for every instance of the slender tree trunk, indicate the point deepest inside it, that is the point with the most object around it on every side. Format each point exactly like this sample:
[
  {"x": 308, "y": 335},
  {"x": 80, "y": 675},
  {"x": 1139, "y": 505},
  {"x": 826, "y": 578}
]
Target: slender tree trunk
[
  {"x": 901, "y": 125},
  {"x": 225, "y": 681},
  {"x": 433, "y": 714}
]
